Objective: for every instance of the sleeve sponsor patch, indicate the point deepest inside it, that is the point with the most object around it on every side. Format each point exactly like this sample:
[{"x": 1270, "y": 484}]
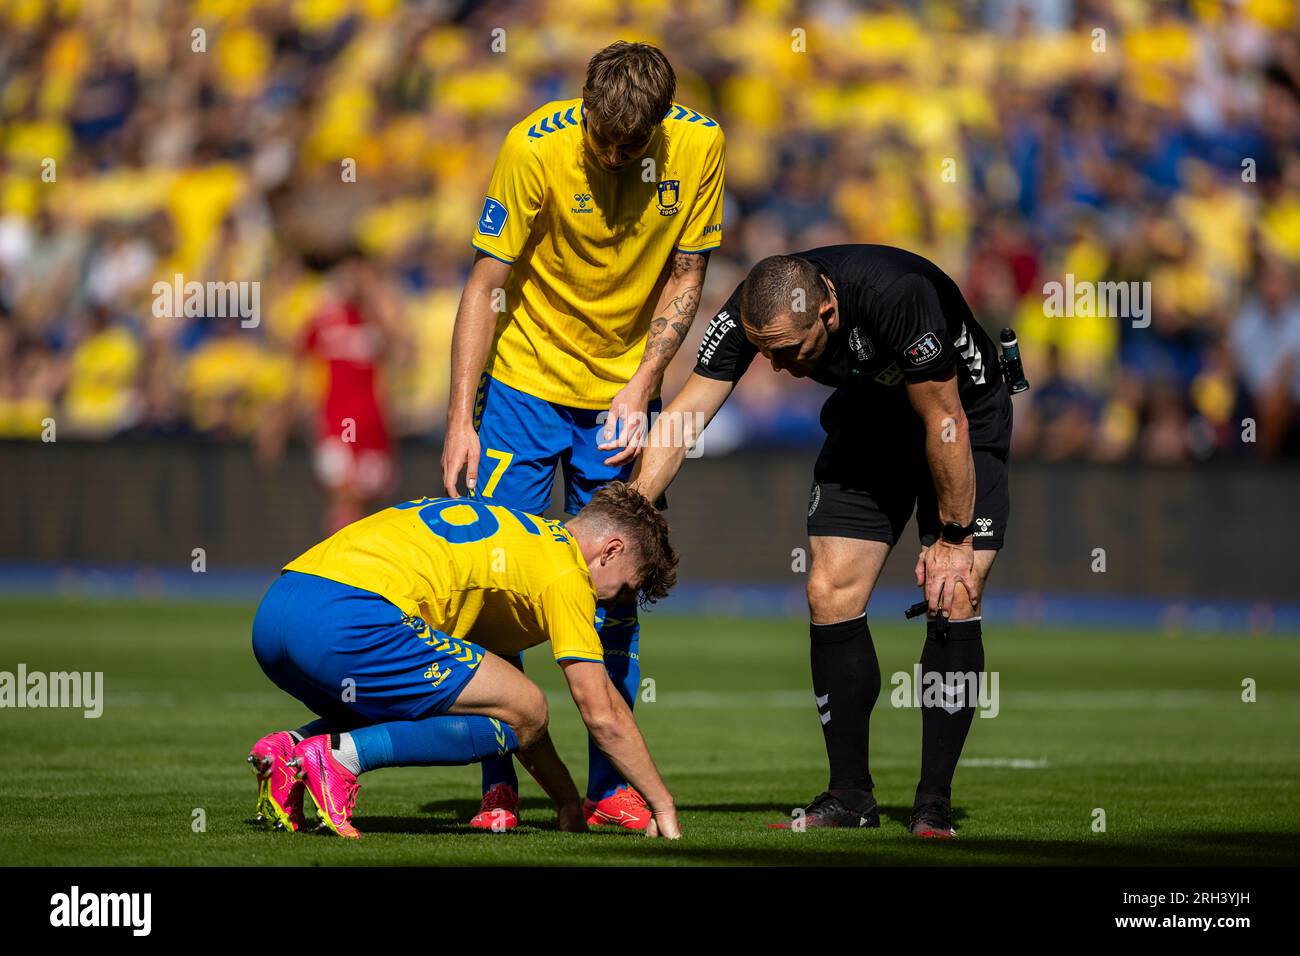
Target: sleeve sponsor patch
[
  {"x": 722, "y": 324},
  {"x": 924, "y": 349},
  {"x": 494, "y": 217}
]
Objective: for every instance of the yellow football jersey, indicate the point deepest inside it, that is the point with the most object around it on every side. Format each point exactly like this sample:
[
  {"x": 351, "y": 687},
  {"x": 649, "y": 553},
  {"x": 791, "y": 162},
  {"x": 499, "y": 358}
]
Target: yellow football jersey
[
  {"x": 485, "y": 573},
  {"x": 589, "y": 247}
]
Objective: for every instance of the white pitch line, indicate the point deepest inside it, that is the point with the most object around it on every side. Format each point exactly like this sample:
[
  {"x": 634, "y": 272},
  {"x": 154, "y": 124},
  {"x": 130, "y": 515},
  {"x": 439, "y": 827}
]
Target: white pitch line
[
  {"x": 1015, "y": 763},
  {"x": 1121, "y": 699}
]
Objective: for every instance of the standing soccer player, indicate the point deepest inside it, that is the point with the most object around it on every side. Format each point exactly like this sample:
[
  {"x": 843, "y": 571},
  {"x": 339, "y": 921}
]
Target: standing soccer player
[
  {"x": 920, "y": 420},
  {"x": 352, "y": 333},
  {"x": 592, "y": 249}
]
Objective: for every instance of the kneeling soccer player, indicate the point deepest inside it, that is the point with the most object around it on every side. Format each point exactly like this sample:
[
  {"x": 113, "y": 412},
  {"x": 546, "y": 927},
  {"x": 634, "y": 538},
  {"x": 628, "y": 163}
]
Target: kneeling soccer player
[{"x": 360, "y": 630}]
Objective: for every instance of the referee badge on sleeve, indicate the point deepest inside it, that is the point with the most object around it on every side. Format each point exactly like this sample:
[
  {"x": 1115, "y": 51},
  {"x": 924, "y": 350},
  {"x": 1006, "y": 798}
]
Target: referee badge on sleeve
[{"x": 923, "y": 349}]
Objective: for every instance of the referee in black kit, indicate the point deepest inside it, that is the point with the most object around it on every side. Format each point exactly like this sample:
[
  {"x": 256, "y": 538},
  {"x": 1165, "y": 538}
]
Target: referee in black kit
[{"x": 920, "y": 420}]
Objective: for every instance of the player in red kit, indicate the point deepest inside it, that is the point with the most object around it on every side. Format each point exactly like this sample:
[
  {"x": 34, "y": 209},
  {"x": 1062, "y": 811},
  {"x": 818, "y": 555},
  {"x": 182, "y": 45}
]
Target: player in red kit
[{"x": 351, "y": 334}]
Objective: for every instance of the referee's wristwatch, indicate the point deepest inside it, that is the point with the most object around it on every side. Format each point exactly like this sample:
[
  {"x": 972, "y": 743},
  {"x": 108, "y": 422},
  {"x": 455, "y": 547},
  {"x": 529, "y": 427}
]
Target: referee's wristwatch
[{"x": 954, "y": 533}]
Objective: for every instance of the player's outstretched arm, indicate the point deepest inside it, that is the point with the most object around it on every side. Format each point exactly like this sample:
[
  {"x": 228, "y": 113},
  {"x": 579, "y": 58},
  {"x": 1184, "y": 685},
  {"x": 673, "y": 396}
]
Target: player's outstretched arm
[
  {"x": 610, "y": 722},
  {"x": 544, "y": 764},
  {"x": 676, "y": 431},
  {"x": 470, "y": 340},
  {"x": 674, "y": 314}
]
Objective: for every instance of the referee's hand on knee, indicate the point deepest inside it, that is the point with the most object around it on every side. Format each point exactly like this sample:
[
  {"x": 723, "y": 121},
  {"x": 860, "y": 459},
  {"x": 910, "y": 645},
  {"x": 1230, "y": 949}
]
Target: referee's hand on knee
[{"x": 946, "y": 566}]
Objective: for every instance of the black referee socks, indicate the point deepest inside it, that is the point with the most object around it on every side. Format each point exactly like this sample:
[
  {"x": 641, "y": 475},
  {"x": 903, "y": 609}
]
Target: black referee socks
[
  {"x": 943, "y": 732},
  {"x": 846, "y": 680}
]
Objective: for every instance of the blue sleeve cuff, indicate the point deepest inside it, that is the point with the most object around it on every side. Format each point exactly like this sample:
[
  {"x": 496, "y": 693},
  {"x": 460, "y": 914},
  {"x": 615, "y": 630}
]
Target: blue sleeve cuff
[{"x": 488, "y": 252}]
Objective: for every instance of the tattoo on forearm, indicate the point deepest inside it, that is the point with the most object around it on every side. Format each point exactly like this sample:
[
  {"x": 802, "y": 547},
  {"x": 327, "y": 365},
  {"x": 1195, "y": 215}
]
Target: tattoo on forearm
[
  {"x": 685, "y": 262},
  {"x": 668, "y": 330}
]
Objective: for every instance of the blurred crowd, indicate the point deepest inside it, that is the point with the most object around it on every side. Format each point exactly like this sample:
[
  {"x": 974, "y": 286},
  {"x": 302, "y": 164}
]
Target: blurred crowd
[{"x": 1014, "y": 143}]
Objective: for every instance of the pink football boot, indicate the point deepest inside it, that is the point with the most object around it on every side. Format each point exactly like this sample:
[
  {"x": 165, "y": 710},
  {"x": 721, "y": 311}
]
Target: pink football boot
[
  {"x": 279, "y": 794},
  {"x": 331, "y": 786}
]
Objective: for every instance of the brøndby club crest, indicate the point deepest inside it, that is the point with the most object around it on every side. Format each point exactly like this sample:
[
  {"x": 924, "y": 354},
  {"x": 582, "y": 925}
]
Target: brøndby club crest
[{"x": 669, "y": 197}]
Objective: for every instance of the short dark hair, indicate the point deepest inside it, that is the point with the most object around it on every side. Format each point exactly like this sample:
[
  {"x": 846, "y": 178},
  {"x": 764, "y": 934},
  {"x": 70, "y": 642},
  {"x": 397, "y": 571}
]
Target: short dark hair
[
  {"x": 629, "y": 90},
  {"x": 775, "y": 284},
  {"x": 618, "y": 505}
]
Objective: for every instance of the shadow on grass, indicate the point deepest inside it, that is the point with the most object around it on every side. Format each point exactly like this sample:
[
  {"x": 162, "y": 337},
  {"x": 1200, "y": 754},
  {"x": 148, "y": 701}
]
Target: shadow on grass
[
  {"x": 453, "y": 816},
  {"x": 779, "y": 811},
  {"x": 902, "y": 814},
  {"x": 888, "y": 846},
  {"x": 417, "y": 826},
  {"x": 462, "y": 809}
]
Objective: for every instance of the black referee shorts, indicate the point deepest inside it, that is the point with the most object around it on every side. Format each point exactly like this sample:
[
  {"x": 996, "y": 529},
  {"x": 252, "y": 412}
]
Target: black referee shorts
[{"x": 872, "y": 474}]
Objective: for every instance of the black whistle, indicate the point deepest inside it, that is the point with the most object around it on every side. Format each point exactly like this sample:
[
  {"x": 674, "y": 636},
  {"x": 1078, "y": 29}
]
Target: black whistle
[
  {"x": 1012, "y": 368},
  {"x": 940, "y": 620}
]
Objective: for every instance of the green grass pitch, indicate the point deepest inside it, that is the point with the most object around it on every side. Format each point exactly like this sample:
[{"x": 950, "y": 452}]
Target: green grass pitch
[{"x": 1149, "y": 728}]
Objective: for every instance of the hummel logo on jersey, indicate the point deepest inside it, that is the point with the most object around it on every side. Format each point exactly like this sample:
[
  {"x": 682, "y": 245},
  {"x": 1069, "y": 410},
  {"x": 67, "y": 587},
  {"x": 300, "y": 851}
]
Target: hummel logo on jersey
[
  {"x": 985, "y": 526},
  {"x": 494, "y": 217},
  {"x": 924, "y": 349}
]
